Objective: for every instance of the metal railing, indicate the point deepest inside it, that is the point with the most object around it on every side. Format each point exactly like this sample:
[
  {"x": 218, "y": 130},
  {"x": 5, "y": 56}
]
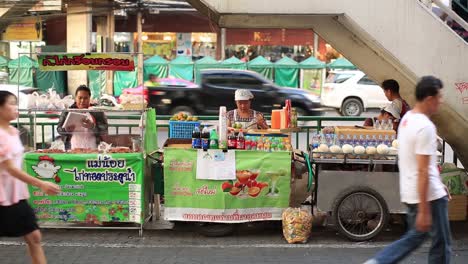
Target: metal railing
[
  {"x": 306, "y": 130},
  {"x": 45, "y": 127}
]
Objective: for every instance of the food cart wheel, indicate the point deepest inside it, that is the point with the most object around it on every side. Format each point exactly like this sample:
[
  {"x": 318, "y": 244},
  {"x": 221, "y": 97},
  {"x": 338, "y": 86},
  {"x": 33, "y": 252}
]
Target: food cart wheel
[
  {"x": 360, "y": 213},
  {"x": 215, "y": 229}
]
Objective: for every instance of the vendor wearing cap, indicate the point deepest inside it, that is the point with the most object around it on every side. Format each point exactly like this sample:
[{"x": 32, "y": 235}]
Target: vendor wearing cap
[
  {"x": 244, "y": 115},
  {"x": 388, "y": 112}
]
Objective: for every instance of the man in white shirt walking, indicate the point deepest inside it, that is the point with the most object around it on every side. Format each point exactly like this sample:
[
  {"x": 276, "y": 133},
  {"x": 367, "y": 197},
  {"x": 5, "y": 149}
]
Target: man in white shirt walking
[{"x": 421, "y": 188}]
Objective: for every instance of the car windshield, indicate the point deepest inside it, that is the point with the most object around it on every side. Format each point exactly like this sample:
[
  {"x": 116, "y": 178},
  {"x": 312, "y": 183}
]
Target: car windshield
[{"x": 335, "y": 77}]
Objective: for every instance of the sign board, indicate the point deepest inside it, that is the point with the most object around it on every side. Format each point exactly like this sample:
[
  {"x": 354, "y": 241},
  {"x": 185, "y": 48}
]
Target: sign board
[
  {"x": 184, "y": 44},
  {"x": 95, "y": 188},
  {"x": 26, "y": 30},
  {"x": 86, "y": 61},
  {"x": 260, "y": 192}
]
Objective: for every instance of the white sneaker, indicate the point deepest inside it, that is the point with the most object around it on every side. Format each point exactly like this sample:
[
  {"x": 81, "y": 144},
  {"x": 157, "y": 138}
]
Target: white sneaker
[{"x": 371, "y": 261}]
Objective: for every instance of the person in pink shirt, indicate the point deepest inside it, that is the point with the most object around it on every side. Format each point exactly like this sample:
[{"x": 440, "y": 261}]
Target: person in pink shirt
[{"x": 17, "y": 218}]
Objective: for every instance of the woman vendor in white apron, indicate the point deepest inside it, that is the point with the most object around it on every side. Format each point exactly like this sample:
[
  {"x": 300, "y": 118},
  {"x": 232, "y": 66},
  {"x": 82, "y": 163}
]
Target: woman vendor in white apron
[{"x": 244, "y": 117}]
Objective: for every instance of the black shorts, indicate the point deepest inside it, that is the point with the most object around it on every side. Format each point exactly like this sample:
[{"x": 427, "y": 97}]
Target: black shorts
[{"x": 17, "y": 220}]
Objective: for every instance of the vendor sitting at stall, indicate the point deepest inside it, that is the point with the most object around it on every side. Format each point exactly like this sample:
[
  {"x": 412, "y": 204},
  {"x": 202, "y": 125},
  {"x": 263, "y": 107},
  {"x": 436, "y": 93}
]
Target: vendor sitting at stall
[
  {"x": 88, "y": 134},
  {"x": 152, "y": 82},
  {"x": 389, "y": 112},
  {"x": 244, "y": 117}
]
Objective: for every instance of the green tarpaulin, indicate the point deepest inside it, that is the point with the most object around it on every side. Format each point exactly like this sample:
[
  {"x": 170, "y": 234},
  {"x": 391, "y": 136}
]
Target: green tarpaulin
[
  {"x": 341, "y": 63},
  {"x": 203, "y": 64},
  {"x": 286, "y": 72},
  {"x": 21, "y": 71},
  {"x": 4, "y": 63},
  {"x": 57, "y": 80},
  {"x": 262, "y": 66},
  {"x": 182, "y": 68},
  {"x": 125, "y": 79},
  {"x": 97, "y": 83},
  {"x": 155, "y": 65},
  {"x": 312, "y": 63},
  {"x": 233, "y": 63}
]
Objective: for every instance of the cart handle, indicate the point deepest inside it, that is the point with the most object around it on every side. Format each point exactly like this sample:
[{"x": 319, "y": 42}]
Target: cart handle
[{"x": 309, "y": 169}]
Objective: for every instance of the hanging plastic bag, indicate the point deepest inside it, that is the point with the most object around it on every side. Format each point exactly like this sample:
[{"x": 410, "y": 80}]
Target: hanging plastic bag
[
  {"x": 297, "y": 225},
  {"x": 32, "y": 100}
]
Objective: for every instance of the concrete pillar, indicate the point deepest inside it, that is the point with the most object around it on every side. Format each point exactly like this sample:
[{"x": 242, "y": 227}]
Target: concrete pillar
[
  {"x": 316, "y": 45},
  {"x": 223, "y": 43},
  {"x": 140, "y": 47},
  {"x": 101, "y": 33},
  {"x": 110, "y": 48},
  {"x": 78, "y": 40}
]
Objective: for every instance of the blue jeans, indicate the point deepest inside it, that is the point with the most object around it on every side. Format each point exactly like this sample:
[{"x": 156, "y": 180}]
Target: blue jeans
[{"x": 440, "y": 234}]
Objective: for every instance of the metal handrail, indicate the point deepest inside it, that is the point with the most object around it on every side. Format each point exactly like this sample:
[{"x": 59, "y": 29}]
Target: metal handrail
[
  {"x": 452, "y": 14},
  {"x": 305, "y": 129}
]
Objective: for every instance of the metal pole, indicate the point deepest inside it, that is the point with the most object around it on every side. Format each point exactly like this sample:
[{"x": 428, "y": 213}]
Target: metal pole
[
  {"x": 223, "y": 43},
  {"x": 140, "y": 48},
  {"x": 316, "y": 45}
]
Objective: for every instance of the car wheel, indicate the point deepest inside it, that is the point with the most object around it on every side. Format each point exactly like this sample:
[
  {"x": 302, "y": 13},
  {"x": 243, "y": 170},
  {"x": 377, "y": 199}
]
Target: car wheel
[
  {"x": 352, "y": 107},
  {"x": 184, "y": 109}
]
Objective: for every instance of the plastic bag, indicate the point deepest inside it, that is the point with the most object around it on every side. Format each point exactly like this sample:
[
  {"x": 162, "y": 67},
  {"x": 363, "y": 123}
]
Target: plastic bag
[{"x": 297, "y": 225}]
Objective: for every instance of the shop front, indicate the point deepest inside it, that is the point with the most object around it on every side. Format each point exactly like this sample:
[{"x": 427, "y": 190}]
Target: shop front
[{"x": 273, "y": 44}]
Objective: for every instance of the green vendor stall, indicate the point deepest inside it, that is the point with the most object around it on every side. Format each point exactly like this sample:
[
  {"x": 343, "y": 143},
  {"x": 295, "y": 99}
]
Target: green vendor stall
[
  {"x": 341, "y": 63},
  {"x": 182, "y": 68},
  {"x": 125, "y": 79},
  {"x": 233, "y": 63},
  {"x": 262, "y": 66},
  {"x": 22, "y": 71},
  {"x": 204, "y": 64},
  {"x": 312, "y": 75},
  {"x": 287, "y": 72},
  {"x": 155, "y": 65}
]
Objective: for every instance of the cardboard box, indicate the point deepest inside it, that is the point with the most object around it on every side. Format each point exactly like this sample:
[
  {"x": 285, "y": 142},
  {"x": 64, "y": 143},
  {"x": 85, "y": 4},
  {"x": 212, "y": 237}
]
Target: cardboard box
[
  {"x": 347, "y": 132},
  {"x": 457, "y": 208},
  {"x": 185, "y": 143}
]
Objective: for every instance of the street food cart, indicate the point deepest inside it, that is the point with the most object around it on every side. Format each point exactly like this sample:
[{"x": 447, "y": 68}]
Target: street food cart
[
  {"x": 101, "y": 186},
  {"x": 218, "y": 188},
  {"x": 358, "y": 185}
]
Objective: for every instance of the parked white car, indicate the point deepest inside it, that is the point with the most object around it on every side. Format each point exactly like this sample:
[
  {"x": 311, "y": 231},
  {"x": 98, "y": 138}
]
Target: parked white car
[{"x": 351, "y": 92}]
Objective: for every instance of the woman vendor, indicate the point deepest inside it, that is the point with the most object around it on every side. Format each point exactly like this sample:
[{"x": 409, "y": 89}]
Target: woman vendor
[
  {"x": 244, "y": 115},
  {"x": 88, "y": 133}
]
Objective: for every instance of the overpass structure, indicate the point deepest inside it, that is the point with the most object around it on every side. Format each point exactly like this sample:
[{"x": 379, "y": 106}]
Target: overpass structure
[{"x": 399, "y": 39}]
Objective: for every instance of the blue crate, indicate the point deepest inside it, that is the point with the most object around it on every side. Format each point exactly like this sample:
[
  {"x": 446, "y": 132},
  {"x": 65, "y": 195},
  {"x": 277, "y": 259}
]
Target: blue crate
[{"x": 181, "y": 129}]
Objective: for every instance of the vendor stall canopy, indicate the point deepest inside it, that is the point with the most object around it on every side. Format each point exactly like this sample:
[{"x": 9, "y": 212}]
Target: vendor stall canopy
[
  {"x": 233, "y": 63},
  {"x": 155, "y": 65},
  {"x": 125, "y": 79},
  {"x": 262, "y": 66},
  {"x": 21, "y": 71},
  {"x": 341, "y": 63},
  {"x": 286, "y": 72},
  {"x": 203, "y": 64},
  {"x": 181, "y": 68},
  {"x": 312, "y": 63}
]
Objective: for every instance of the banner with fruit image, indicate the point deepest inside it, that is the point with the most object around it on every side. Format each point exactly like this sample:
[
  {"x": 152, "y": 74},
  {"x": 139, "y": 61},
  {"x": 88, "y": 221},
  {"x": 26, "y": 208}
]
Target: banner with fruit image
[
  {"x": 260, "y": 192},
  {"x": 95, "y": 188}
]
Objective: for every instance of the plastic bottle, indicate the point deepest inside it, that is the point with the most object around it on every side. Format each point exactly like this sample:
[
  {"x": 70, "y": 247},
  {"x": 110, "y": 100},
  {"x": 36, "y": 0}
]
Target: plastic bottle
[
  {"x": 232, "y": 140},
  {"x": 222, "y": 128},
  {"x": 213, "y": 139},
  {"x": 240, "y": 140},
  {"x": 205, "y": 138},
  {"x": 196, "y": 141}
]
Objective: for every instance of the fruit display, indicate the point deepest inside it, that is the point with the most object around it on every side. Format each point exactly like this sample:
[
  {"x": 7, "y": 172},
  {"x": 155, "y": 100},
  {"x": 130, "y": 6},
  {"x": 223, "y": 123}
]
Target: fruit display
[{"x": 181, "y": 116}]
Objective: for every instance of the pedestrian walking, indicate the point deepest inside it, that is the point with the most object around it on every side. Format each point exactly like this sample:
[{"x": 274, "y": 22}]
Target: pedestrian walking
[
  {"x": 16, "y": 216},
  {"x": 421, "y": 187}
]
